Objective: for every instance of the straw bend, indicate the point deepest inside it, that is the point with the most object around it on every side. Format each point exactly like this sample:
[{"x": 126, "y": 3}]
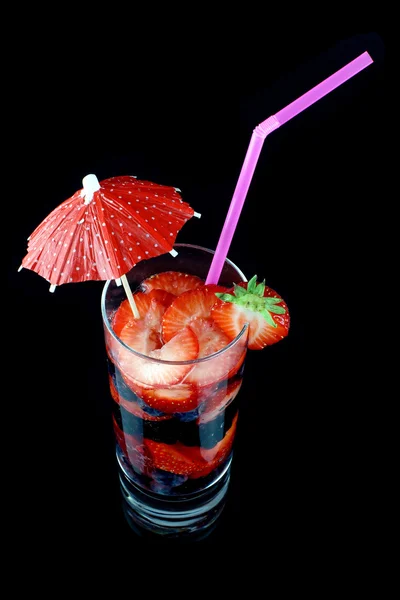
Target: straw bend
[{"x": 266, "y": 127}]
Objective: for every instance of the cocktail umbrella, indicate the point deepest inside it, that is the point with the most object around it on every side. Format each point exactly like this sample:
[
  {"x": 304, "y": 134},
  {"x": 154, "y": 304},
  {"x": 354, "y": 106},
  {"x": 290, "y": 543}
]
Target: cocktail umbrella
[{"x": 105, "y": 229}]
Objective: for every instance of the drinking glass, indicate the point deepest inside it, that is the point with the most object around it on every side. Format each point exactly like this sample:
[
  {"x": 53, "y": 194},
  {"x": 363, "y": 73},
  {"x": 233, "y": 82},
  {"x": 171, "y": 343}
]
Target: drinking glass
[{"x": 174, "y": 467}]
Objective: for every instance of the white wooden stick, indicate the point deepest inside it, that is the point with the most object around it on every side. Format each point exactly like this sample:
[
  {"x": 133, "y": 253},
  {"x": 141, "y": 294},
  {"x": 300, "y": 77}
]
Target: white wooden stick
[{"x": 130, "y": 297}]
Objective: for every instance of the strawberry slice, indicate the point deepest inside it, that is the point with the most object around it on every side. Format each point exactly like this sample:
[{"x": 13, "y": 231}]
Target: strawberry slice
[
  {"x": 124, "y": 315},
  {"x": 177, "y": 398},
  {"x": 182, "y": 347},
  {"x": 140, "y": 336},
  {"x": 175, "y": 458},
  {"x": 162, "y": 296},
  {"x": 210, "y": 337},
  {"x": 218, "y": 367},
  {"x": 144, "y": 334},
  {"x": 113, "y": 390},
  {"x": 219, "y": 401},
  {"x": 137, "y": 387},
  {"x": 223, "y": 366},
  {"x": 260, "y": 306},
  {"x": 188, "y": 306},
  {"x": 154, "y": 315},
  {"x": 133, "y": 407},
  {"x": 215, "y": 456},
  {"x": 192, "y": 461},
  {"x": 137, "y": 411},
  {"x": 173, "y": 282}
]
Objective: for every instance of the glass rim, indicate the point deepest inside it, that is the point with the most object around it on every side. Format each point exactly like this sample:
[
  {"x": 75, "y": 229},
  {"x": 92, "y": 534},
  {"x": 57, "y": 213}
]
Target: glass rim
[{"x": 194, "y": 361}]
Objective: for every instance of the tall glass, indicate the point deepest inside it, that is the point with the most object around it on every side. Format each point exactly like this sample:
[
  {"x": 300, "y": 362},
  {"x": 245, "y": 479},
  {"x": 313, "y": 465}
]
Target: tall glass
[{"x": 174, "y": 467}]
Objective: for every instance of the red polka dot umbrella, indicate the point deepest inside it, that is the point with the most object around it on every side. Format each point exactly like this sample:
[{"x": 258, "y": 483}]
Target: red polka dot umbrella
[{"x": 105, "y": 229}]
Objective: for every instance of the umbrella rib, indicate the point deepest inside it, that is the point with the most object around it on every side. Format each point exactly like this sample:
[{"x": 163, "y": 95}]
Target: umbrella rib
[
  {"x": 160, "y": 239},
  {"x": 108, "y": 239},
  {"x": 69, "y": 253}
]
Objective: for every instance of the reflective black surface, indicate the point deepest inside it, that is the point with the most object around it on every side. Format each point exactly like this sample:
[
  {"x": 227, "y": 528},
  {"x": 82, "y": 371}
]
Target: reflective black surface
[{"x": 309, "y": 227}]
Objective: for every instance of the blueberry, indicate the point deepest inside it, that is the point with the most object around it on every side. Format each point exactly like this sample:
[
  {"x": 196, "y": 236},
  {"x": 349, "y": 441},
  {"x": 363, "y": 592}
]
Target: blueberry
[
  {"x": 127, "y": 467},
  {"x": 186, "y": 417},
  {"x": 159, "y": 488},
  {"x": 168, "y": 479}
]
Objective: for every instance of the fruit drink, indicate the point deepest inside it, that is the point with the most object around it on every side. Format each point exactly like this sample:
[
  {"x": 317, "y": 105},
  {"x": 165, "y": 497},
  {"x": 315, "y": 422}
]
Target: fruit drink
[{"x": 175, "y": 373}]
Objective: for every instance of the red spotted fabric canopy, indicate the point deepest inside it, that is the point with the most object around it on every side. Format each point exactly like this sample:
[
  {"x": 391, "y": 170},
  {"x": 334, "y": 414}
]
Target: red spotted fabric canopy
[{"x": 105, "y": 229}]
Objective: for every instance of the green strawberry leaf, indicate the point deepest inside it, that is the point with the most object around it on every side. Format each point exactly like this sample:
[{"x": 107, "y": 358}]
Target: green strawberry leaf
[
  {"x": 253, "y": 299},
  {"x": 225, "y": 297},
  {"x": 252, "y": 284},
  {"x": 278, "y": 310},
  {"x": 269, "y": 300},
  {"x": 259, "y": 291},
  {"x": 239, "y": 291},
  {"x": 268, "y": 318}
]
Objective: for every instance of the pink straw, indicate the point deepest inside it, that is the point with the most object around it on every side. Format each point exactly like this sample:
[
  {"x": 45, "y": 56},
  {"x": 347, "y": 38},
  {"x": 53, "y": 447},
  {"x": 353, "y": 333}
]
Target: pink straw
[{"x": 254, "y": 149}]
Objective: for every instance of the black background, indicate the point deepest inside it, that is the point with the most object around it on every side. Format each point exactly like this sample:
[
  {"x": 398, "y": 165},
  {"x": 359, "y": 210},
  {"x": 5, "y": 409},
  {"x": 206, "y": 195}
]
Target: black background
[{"x": 179, "y": 111}]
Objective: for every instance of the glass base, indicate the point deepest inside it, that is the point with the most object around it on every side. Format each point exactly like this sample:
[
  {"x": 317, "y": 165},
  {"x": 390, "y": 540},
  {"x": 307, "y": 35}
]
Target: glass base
[{"x": 192, "y": 517}]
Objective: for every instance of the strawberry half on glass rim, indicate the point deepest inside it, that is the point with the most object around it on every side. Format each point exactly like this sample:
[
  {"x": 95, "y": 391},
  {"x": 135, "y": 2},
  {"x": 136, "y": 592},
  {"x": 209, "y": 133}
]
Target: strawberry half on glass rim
[{"x": 256, "y": 304}]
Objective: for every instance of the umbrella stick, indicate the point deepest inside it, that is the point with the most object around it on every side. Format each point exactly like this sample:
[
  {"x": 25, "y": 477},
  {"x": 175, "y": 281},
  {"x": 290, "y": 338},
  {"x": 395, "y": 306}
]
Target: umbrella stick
[{"x": 130, "y": 297}]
